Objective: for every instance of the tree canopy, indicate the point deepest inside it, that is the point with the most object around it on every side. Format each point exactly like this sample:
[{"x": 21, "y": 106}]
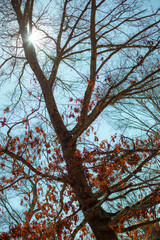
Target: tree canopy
[{"x": 64, "y": 64}]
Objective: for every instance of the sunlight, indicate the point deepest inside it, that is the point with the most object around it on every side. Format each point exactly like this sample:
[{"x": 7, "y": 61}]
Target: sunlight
[{"x": 35, "y": 37}]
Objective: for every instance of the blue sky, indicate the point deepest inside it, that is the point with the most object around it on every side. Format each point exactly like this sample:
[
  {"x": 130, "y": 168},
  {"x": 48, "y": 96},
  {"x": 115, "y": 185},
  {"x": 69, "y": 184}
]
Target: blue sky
[{"x": 155, "y": 3}]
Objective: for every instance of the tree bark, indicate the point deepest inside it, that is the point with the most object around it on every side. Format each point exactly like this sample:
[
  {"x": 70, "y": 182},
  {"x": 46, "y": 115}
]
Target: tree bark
[
  {"x": 155, "y": 235},
  {"x": 97, "y": 217}
]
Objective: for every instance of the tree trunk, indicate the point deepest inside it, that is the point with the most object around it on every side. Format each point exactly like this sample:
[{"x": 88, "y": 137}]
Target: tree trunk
[
  {"x": 98, "y": 221},
  {"x": 96, "y": 217},
  {"x": 155, "y": 235}
]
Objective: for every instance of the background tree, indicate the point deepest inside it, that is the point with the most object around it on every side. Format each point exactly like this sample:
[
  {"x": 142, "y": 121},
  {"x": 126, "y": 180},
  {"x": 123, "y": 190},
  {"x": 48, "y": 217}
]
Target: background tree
[
  {"x": 63, "y": 64},
  {"x": 145, "y": 117}
]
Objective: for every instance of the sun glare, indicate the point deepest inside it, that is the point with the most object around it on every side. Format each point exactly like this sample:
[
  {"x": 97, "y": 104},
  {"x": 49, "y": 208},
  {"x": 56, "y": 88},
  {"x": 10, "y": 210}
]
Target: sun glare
[{"x": 35, "y": 37}]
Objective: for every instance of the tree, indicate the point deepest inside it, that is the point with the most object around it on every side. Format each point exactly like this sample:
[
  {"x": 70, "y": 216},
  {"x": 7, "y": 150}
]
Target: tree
[
  {"x": 144, "y": 118},
  {"x": 88, "y": 56},
  {"x": 155, "y": 234}
]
